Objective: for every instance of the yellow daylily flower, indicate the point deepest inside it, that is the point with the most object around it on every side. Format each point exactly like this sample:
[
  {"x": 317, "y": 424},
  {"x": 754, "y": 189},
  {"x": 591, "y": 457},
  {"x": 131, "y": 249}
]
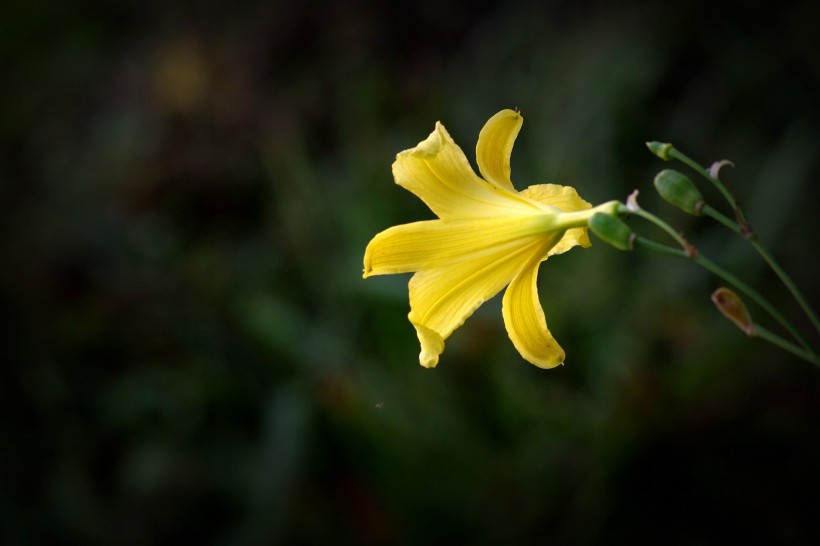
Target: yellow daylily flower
[{"x": 487, "y": 236}]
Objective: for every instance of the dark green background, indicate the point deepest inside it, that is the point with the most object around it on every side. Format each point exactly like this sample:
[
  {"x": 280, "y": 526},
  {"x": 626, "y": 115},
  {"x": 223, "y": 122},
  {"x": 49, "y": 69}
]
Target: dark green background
[{"x": 190, "y": 353}]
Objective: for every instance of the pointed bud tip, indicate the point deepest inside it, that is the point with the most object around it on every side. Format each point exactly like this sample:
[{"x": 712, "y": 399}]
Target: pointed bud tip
[{"x": 660, "y": 149}]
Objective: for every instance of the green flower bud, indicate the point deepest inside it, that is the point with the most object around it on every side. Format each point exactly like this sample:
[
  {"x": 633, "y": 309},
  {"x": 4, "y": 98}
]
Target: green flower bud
[
  {"x": 660, "y": 149},
  {"x": 612, "y": 230},
  {"x": 678, "y": 190}
]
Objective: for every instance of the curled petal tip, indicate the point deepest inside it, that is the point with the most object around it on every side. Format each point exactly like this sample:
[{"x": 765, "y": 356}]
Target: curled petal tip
[
  {"x": 432, "y": 345},
  {"x": 428, "y": 360},
  {"x": 494, "y": 147},
  {"x": 714, "y": 169},
  {"x": 632, "y": 202},
  {"x": 430, "y": 146}
]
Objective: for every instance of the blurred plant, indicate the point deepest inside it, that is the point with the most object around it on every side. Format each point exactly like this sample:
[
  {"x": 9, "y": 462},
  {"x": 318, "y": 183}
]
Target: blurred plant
[{"x": 488, "y": 236}]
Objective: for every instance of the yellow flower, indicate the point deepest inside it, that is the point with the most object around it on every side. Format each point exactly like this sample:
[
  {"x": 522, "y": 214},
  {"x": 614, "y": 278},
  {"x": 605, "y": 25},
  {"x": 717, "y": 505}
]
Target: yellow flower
[{"x": 487, "y": 236}]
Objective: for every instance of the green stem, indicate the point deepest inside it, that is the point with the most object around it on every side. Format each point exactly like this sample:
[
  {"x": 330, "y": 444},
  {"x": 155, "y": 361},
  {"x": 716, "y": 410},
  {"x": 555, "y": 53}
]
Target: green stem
[
  {"x": 660, "y": 248},
  {"x": 804, "y": 352},
  {"x": 675, "y": 153},
  {"x": 741, "y": 226},
  {"x": 754, "y": 295},
  {"x": 786, "y": 281},
  {"x": 775, "y": 339},
  {"x": 688, "y": 252},
  {"x": 720, "y": 217},
  {"x": 661, "y": 224},
  {"x": 764, "y": 253}
]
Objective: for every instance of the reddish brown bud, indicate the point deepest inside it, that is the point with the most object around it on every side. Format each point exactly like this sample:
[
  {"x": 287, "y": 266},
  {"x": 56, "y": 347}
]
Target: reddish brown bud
[{"x": 734, "y": 309}]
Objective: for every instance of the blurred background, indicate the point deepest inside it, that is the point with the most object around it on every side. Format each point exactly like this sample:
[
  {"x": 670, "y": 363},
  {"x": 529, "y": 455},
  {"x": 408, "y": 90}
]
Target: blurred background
[{"x": 190, "y": 352}]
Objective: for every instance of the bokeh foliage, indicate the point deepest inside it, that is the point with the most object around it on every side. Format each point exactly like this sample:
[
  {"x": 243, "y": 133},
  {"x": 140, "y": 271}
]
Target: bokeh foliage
[{"x": 191, "y": 353}]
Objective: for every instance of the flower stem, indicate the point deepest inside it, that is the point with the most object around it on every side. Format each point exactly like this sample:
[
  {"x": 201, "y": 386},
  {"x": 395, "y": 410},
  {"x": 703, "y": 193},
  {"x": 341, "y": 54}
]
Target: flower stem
[
  {"x": 754, "y": 295},
  {"x": 709, "y": 211},
  {"x": 675, "y": 153},
  {"x": 775, "y": 339},
  {"x": 786, "y": 281},
  {"x": 659, "y": 247},
  {"x": 661, "y": 224},
  {"x": 687, "y": 251},
  {"x": 766, "y": 255}
]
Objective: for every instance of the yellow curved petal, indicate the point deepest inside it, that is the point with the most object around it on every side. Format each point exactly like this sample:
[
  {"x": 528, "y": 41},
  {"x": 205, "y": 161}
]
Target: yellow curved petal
[
  {"x": 438, "y": 172},
  {"x": 495, "y": 144},
  {"x": 566, "y": 199},
  {"x": 432, "y": 345},
  {"x": 442, "y": 299},
  {"x": 572, "y": 237},
  {"x": 525, "y": 321},
  {"x": 435, "y": 244}
]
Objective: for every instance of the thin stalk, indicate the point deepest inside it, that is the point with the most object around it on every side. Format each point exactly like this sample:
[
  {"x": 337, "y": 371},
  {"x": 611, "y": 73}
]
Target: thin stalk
[
  {"x": 769, "y": 259},
  {"x": 804, "y": 352},
  {"x": 659, "y": 247},
  {"x": 754, "y": 295},
  {"x": 689, "y": 252},
  {"x": 675, "y": 153},
  {"x": 786, "y": 281},
  {"x": 661, "y": 224},
  {"x": 775, "y": 339},
  {"x": 722, "y": 218}
]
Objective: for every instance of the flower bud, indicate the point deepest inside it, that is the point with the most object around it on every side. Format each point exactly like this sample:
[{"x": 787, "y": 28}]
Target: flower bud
[
  {"x": 678, "y": 190},
  {"x": 660, "y": 149},
  {"x": 734, "y": 309},
  {"x": 612, "y": 230}
]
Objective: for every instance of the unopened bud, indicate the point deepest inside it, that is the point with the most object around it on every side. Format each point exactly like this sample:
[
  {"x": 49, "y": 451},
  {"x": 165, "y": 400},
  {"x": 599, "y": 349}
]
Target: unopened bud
[
  {"x": 660, "y": 149},
  {"x": 734, "y": 309},
  {"x": 612, "y": 230},
  {"x": 678, "y": 190}
]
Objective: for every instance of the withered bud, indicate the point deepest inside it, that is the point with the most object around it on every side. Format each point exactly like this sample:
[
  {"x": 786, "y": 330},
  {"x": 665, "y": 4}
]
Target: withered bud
[{"x": 734, "y": 309}]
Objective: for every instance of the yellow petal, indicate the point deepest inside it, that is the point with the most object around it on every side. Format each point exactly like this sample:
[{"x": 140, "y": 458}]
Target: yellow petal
[
  {"x": 432, "y": 345},
  {"x": 435, "y": 244},
  {"x": 525, "y": 321},
  {"x": 572, "y": 237},
  {"x": 495, "y": 144},
  {"x": 566, "y": 199},
  {"x": 438, "y": 172},
  {"x": 442, "y": 299}
]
